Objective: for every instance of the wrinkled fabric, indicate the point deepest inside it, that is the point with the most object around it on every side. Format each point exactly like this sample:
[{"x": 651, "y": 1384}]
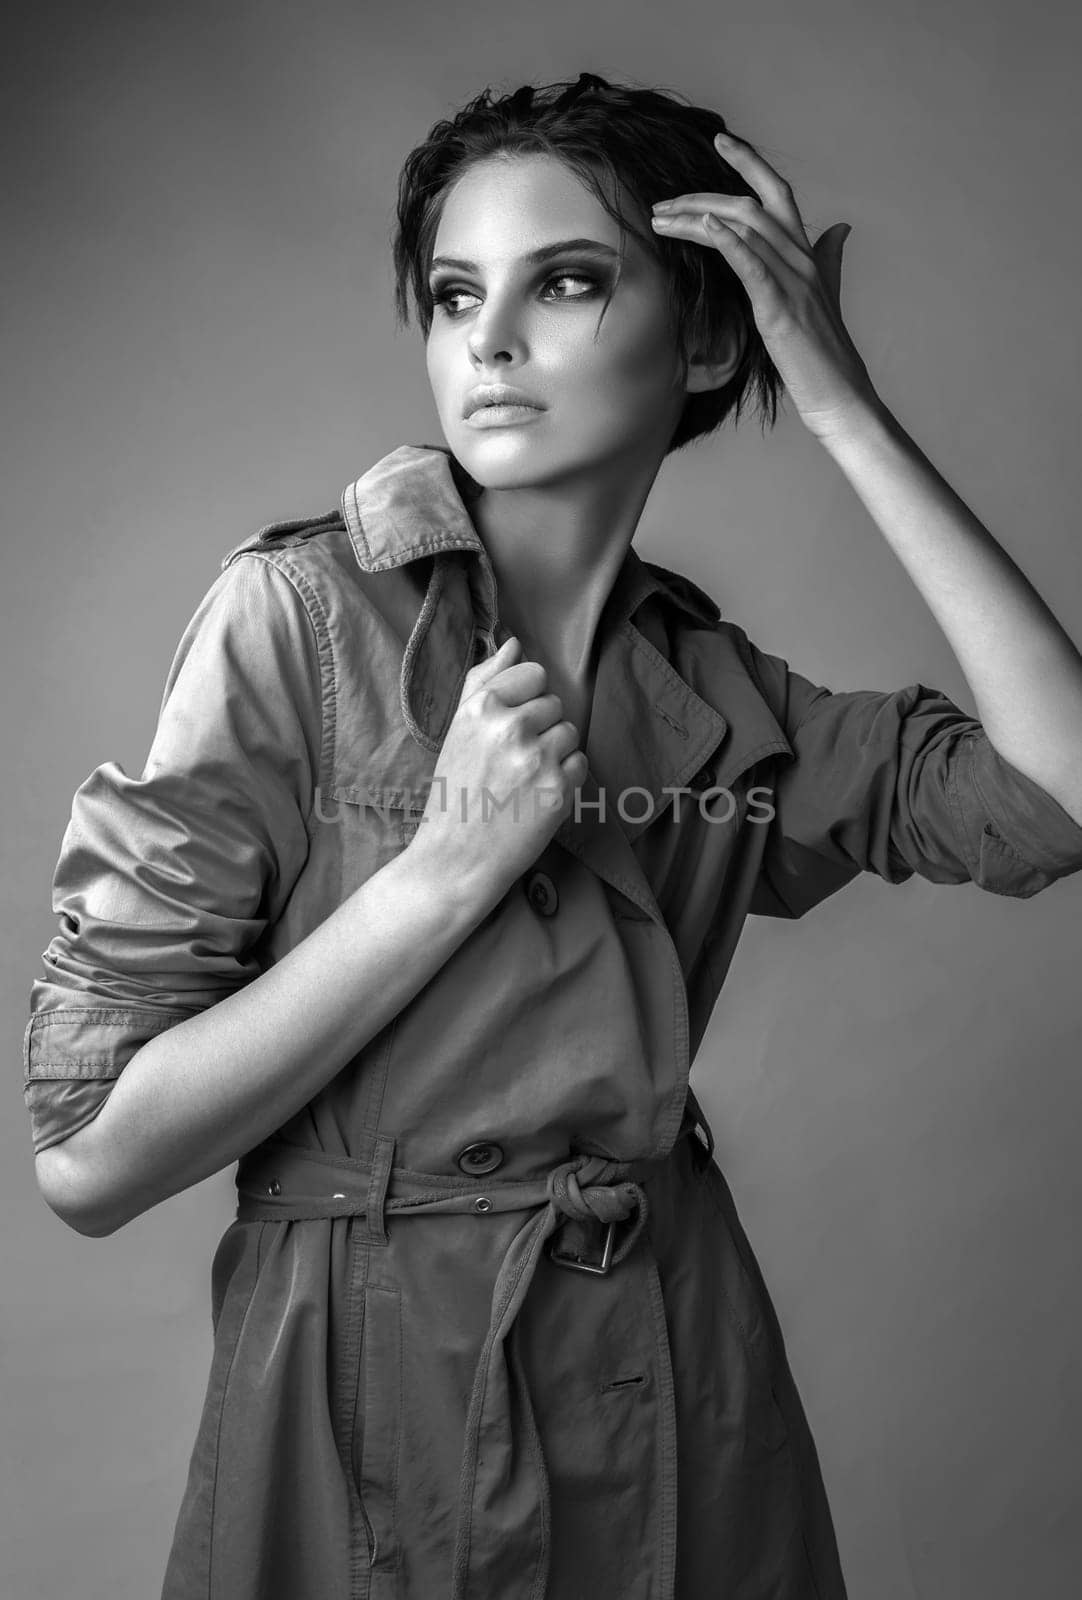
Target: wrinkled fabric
[{"x": 414, "y": 1396}]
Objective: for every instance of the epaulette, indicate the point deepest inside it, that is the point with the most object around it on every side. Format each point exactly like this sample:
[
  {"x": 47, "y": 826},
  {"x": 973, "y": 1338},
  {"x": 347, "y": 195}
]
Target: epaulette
[{"x": 280, "y": 535}]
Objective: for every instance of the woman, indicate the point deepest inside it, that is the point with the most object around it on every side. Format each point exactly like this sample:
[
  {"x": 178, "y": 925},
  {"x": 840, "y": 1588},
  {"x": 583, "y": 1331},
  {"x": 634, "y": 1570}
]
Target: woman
[{"x": 452, "y": 819}]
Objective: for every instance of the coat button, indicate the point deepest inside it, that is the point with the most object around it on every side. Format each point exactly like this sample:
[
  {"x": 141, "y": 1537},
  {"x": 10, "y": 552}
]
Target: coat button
[
  {"x": 274, "y": 1187},
  {"x": 541, "y": 893},
  {"x": 705, "y": 778},
  {"x": 480, "y": 1158}
]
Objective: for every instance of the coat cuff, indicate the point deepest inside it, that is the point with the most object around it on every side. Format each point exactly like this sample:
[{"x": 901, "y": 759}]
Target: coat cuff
[
  {"x": 1018, "y": 837},
  {"x": 71, "y": 1058}
]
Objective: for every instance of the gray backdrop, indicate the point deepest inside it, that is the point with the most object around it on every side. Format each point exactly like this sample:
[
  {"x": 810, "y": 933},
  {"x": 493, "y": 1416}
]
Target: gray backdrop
[{"x": 199, "y": 339}]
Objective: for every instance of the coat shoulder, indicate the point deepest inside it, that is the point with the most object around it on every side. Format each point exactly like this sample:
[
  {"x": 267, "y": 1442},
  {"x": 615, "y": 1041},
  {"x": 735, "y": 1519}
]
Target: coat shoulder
[
  {"x": 285, "y": 535},
  {"x": 688, "y": 593}
]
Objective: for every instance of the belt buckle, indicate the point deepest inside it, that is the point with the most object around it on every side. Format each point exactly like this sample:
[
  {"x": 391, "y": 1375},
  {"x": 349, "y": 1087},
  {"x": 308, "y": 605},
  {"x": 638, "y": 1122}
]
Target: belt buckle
[{"x": 577, "y": 1264}]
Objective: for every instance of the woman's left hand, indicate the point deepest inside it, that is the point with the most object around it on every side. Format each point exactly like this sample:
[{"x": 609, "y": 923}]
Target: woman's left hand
[{"x": 794, "y": 286}]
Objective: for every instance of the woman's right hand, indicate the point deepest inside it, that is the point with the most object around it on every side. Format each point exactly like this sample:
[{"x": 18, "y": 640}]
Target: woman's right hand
[{"x": 505, "y": 776}]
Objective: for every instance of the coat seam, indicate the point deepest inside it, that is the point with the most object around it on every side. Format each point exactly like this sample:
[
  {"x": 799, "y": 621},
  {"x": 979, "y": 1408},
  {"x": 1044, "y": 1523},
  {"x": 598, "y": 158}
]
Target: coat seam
[
  {"x": 359, "y": 1536},
  {"x": 971, "y": 859},
  {"x": 667, "y": 1393},
  {"x": 318, "y": 622},
  {"x": 221, "y": 1409}
]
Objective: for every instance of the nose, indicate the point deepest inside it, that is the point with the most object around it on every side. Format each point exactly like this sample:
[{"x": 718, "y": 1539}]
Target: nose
[{"x": 495, "y": 335}]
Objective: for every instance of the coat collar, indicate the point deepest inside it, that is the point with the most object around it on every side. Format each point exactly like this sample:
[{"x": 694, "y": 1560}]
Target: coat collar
[
  {"x": 413, "y": 503},
  {"x": 651, "y": 729}
]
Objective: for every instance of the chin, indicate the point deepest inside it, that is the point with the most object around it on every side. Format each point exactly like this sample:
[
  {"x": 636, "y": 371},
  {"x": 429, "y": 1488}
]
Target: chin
[
  {"x": 495, "y": 469},
  {"x": 519, "y": 468},
  {"x": 500, "y": 474}
]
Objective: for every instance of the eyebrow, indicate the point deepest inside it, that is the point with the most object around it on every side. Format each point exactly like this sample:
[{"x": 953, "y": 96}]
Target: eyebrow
[{"x": 592, "y": 247}]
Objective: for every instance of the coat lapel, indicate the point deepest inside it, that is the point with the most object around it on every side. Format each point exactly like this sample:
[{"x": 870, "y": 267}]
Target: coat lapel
[
  {"x": 408, "y": 507},
  {"x": 651, "y": 731},
  {"x": 651, "y": 728}
]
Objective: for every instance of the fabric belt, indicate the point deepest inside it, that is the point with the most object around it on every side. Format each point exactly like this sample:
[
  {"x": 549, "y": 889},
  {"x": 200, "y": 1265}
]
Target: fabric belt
[{"x": 282, "y": 1182}]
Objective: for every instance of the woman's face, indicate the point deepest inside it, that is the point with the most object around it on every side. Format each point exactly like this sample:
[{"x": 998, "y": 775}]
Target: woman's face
[{"x": 601, "y": 405}]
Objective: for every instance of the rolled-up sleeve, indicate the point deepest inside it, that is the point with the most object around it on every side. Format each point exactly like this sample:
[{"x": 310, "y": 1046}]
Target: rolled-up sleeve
[
  {"x": 898, "y": 783},
  {"x": 166, "y": 882}
]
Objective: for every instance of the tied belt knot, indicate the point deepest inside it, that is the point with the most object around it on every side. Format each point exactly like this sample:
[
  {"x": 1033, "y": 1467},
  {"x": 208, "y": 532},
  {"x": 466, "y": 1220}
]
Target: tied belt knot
[
  {"x": 503, "y": 1522},
  {"x": 593, "y": 1189}
]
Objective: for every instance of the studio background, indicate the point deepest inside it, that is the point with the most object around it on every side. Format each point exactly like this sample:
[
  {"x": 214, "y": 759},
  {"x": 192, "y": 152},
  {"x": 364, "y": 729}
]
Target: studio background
[{"x": 198, "y": 338}]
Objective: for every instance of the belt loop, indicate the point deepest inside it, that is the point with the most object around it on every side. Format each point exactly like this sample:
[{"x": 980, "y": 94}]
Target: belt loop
[{"x": 375, "y": 1227}]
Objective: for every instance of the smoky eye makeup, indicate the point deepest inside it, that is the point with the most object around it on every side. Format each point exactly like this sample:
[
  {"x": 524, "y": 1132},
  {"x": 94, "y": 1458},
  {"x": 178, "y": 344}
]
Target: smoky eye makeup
[
  {"x": 587, "y": 288},
  {"x": 592, "y": 273}
]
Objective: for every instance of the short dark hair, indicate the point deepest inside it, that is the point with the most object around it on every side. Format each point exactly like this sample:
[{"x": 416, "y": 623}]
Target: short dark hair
[{"x": 650, "y": 144}]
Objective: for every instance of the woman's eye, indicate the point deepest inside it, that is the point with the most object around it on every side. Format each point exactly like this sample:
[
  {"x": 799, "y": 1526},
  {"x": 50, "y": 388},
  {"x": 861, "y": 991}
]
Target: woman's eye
[{"x": 443, "y": 297}]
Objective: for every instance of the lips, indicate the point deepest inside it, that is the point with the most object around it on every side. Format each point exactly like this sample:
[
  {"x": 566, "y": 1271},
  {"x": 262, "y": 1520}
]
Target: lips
[{"x": 497, "y": 394}]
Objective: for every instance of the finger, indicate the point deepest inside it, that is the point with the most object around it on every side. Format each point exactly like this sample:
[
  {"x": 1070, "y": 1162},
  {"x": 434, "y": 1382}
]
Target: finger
[
  {"x": 768, "y": 279},
  {"x": 541, "y": 712},
  {"x": 828, "y": 252},
  {"x": 559, "y": 741},
  {"x": 772, "y": 188},
  {"x": 752, "y": 257},
  {"x": 522, "y": 681},
  {"x": 742, "y": 209},
  {"x": 484, "y": 669},
  {"x": 742, "y": 205}
]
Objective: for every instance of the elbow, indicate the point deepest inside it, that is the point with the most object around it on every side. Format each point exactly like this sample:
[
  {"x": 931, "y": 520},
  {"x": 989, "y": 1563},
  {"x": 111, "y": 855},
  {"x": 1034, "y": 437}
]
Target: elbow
[
  {"x": 65, "y": 1185},
  {"x": 86, "y": 1223}
]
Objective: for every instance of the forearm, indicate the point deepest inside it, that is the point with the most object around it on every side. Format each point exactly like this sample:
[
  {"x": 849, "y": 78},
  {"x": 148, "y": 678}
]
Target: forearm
[
  {"x": 1023, "y": 668},
  {"x": 195, "y": 1098}
]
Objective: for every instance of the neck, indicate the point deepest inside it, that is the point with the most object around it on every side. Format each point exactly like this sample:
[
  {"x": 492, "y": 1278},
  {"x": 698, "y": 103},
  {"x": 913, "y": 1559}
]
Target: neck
[{"x": 556, "y": 552}]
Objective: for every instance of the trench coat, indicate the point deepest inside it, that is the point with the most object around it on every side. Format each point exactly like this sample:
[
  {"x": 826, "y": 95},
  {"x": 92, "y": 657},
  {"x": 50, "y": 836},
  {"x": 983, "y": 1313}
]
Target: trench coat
[{"x": 486, "y": 1323}]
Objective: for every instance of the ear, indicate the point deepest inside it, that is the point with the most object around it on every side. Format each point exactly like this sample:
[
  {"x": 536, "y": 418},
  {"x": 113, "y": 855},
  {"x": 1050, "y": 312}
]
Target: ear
[{"x": 713, "y": 369}]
